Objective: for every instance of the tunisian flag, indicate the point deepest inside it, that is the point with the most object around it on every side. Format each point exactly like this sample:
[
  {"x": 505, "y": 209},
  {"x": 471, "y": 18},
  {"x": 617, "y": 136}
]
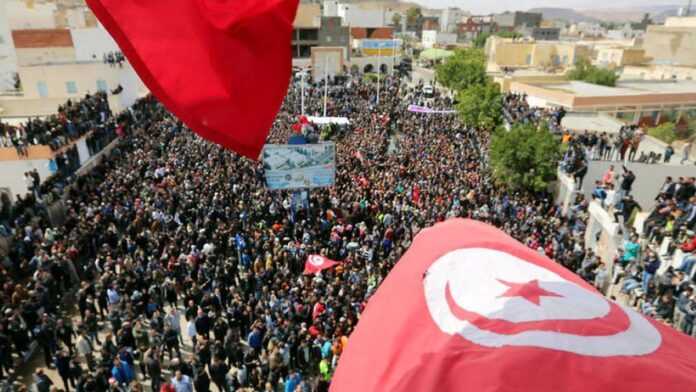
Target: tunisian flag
[
  {"x": 316, "y": 263},
  {"x": 468, "y": 308},
  {"x": 221, "y": 66}
]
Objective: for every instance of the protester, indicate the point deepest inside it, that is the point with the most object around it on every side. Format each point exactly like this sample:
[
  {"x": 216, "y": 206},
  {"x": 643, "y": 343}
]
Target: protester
[{"x": 171, "y": 234}]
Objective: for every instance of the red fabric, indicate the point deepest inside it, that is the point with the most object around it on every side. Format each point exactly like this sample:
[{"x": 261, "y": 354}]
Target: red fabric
[
  {"x": 422, "y": 330},
  {"x": 316, "y": 263},
  {"x": 415, "y": 194},
  {"x": 689, "y": 246},
  {"x": 221, "y": 66}
]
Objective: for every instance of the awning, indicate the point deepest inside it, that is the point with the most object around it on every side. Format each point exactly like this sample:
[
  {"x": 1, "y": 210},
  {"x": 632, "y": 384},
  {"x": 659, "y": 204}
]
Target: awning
[
  {"x": 328, "y": 120},
  {"x": 435, "y": 54}
]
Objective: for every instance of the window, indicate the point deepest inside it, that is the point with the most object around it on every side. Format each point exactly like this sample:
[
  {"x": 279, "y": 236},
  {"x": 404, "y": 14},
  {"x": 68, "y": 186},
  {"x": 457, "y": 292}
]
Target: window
[
  {"x": 101, "y": 85},
  {"x": 71, "y": 87},
  {"x": 43, "y": 89}
]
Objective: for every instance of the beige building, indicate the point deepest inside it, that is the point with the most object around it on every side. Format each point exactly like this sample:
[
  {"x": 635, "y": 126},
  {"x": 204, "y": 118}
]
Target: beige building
[
  {"x": 673, "y": 43},
  {"x": 644, "y": 102},
  {"x": 518, "y": 54},
  {"x": 617, "y": 57},
  {"x": 658, "y": 72},
  {"x": 43, "y": 46}
]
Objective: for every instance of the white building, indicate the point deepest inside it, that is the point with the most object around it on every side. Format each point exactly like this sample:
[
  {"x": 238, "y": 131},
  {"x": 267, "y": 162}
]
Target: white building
[
  {"x": 450, "y": 18},
  {"x": 588, "y": 29},
  {"x": 24, "y": 15},
  {"x": 433, "y": 38},
  {"x": 330, "y": 8},
  {"x": 8, "y": 57},
  {"x": 354, "y": 15},
  {"x": 624, "y": 33}
]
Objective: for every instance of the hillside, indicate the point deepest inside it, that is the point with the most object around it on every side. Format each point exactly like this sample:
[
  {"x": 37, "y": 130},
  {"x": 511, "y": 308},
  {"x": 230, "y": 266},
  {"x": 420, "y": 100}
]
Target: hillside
[{"x": 565, "y": 14}]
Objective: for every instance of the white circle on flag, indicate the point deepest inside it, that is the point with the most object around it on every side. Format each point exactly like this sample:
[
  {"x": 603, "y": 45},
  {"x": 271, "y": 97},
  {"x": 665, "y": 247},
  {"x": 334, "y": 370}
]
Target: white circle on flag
[
  {"x": 316, "y": 261},
  {"x": 480, "y": 281}
]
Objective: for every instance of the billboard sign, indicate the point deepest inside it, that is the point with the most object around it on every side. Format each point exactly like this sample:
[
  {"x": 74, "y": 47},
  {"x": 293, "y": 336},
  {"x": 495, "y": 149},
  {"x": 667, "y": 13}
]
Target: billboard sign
[
  {"x": 380, "y": 47},
  {"x": 299, "y": 166}
]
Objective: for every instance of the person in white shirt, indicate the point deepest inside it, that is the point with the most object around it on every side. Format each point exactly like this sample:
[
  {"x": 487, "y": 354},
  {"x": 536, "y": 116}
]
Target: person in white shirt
[{"x": 191, "y": 331}]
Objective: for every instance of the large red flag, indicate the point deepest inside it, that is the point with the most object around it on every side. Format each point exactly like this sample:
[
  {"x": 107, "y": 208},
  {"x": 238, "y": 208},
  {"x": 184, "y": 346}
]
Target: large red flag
[
  {"x": 316, "y": 263},
  {"x": 468, "y": 308},
  {"x": 221, "y": 66}
]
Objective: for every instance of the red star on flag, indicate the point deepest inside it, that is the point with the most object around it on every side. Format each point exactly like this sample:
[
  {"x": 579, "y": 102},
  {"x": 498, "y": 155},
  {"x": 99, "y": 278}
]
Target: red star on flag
[{"x": 529, "y": 291}]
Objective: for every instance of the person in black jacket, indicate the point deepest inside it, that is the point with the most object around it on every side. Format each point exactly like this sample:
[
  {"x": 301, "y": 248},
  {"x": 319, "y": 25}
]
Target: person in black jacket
[
  {"x": 201, "y": 381},
  {"x": 62, "y": 362},
  {"x": 154, "y": 368},
  {"x": 218, "y": 372},
  {"x": 627, "y": 180},
  {"x": 171, "y": 341}
]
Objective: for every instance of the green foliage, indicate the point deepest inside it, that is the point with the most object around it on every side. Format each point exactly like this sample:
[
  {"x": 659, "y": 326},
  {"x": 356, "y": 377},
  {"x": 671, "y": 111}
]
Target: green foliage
[
  {"x": 664, "y": 132},
  {"x": 524, "y": 158},
  {"x": 413, "y": 14},
  {"x": 370, "y": 77},
  {"x": 396, "y": 21},
  {"x": 589, "y": 73},
  {"x": 480, "y": 40},
  {"x": 463, "y": 69},
  {"x": 509, "y": 34},
  {"x": 481, "y": 105}
]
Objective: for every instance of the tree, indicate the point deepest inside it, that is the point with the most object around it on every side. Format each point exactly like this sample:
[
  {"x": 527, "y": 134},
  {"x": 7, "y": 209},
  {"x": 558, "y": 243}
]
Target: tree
[
  {"x": 480, "y": 105},
  {"x": 525, "y": 158},
  {"x": 480, "y": 40},
  {"x": 462, "y": 70},
  {"x": 413, "y": 15},
  {"x": 665, "y": 132},
  {"x": 396, "y": 21},
  {"x": 509, "y": 34},
  {"x": 589, "y": 73}
]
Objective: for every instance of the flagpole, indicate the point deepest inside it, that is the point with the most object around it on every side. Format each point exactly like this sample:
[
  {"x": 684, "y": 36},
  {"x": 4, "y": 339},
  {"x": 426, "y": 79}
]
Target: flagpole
[
  {"x": 326, "y": 81},
  {"x": 393, "y": 55},
  {"x": 379, "y": 68},
  {"x": 302, "y": 89}
]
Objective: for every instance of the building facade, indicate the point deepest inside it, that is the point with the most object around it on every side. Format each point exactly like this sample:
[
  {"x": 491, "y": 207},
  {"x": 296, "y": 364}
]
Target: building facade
[
  {"x": 509, "y": 21},
  {"x": 673, "y": 43}
]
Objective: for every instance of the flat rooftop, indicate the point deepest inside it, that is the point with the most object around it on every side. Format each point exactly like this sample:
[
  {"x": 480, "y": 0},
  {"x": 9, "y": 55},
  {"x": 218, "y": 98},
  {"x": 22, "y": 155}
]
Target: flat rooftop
[{"x": 623, "y": 88}]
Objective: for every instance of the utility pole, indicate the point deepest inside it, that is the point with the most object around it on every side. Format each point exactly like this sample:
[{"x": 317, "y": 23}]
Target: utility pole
[
  {"x": 326, "y": 81},
  {"x": 302, "y": 83},
  {"x": 379, "y": 68}
]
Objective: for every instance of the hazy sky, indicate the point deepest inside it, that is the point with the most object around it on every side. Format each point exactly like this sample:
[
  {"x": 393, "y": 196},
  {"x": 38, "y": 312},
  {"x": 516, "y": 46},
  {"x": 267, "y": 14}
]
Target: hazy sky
[{"x": 488, "y": 6}]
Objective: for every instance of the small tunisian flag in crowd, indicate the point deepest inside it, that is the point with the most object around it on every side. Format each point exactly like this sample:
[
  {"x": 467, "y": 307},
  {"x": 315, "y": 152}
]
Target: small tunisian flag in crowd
[
  {"x": 221, "y": 66},
  {"x": 316, "y": 263},
  {"x": 468, "y": 308}
]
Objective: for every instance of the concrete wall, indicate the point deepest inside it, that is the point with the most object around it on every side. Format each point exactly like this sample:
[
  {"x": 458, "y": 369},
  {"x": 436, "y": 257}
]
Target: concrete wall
[
  {"x": 92, "y": 43},
  {"x": 601, "y": 235},
  {"x": 40, "y": 16},
  {"x": 13, "y": 174},
  {"x": 671, "y": 45},
  {"x": 354, "y": 15},
  {"x": 8, "y": 58},
  {"x": 30, "y": 56},
  {"x": 515, "y": 54},
  {"x": 84, "y": 75},
  {"x": 55, "y": 77},
  {"x": 658, "y": 72}
]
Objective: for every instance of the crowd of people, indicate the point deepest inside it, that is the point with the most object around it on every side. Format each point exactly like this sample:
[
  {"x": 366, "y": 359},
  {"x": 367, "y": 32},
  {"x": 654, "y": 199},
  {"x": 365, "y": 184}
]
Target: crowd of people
[
  {"x": 73, "y": 120},
  {"x": 176, "y": 268},
  {"x": 149, "y": 245},
  {"x": 114, "y": 59}
]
